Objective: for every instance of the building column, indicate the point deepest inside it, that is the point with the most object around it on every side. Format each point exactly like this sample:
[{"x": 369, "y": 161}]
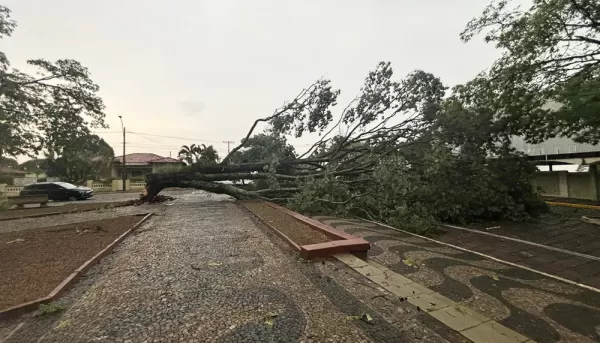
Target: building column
[
  {"x": 563, "y": 184},
  {"x": 593, "y": 172}
]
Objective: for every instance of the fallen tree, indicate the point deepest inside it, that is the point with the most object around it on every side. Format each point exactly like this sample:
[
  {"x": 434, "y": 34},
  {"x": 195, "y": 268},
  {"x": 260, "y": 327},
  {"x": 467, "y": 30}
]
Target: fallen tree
[{"x": 400, "y": 152}]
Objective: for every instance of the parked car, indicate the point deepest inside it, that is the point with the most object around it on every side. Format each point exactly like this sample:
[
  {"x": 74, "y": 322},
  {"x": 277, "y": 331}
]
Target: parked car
[{"x": 58, "y": 191}]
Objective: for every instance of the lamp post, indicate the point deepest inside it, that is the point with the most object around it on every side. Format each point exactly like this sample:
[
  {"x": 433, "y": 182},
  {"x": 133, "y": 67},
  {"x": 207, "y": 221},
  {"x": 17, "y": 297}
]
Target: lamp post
[{"x": 124, "y": 172}]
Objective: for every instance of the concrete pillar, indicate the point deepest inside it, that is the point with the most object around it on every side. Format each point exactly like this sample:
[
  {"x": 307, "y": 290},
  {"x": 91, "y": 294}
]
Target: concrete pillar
[
  {"x": 593, "y": 172},
  {"x": 2, "y": 187},
  {"x": 89, "y": 183},
  {"x": 128, "y": 184},
  {"x": 115, "y": 185},
  {"x": 563, "y": 184}
]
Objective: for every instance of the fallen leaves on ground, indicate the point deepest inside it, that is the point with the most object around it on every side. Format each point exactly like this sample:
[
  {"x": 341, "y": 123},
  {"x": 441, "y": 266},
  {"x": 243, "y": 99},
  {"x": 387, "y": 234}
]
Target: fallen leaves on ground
[
  {"x": 269, "y": 319},
  {"x": 410, "y": 262},
  {"x": 365, "y": 317},
  {"x": 18, "y": 240},
  {"x": 62, "y": 324}
]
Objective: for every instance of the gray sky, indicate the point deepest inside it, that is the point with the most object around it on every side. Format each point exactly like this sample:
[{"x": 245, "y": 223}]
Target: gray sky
[{"x": 207, "y": 69}]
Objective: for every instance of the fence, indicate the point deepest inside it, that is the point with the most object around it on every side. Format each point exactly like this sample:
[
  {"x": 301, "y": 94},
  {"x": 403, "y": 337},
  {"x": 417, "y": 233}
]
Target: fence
[
  {"x": 10, "y": 190},
  {"x": 115, "y": 186},
  {"x": 137, "y": 185}
]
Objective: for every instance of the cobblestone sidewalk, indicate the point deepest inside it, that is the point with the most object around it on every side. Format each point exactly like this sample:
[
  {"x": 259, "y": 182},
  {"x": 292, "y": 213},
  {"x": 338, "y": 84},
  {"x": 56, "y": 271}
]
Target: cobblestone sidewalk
[
  {"x": 541, "y": 308},
  {"x": 201, "y": 270}
]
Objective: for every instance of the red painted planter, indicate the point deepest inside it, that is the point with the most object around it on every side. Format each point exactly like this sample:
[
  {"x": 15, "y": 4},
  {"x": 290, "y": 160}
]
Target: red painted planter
[{"x": 342, "y": 243}]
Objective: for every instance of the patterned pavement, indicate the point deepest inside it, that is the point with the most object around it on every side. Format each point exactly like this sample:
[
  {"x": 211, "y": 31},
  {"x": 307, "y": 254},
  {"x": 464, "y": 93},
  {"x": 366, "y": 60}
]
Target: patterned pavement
[
  {"x": 202, "y": 270},
  {"x": 541, "y": 308}
]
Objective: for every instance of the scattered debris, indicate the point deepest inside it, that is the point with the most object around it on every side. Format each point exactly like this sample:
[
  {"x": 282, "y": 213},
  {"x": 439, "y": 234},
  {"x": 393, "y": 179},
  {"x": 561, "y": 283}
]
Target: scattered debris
[
  {"x": 156, "y": 200},
  {"x": 365, "y": 317},
  {"x": 62, "y": 324},
  {"x": 45, "y": 309},
  {"x": 403, "y": 299},
  {"x": 214, "y": 264},
  {"x": 410, "y": 262},
  {"x": 495, "y": 276},
  {"x": 418, "y": 308},
  {"x": 18, "y": 240},
  {"x": 525, "y": 253},
  {"x": 269, "y": 318},
  {"x": 493, "y": 227}
]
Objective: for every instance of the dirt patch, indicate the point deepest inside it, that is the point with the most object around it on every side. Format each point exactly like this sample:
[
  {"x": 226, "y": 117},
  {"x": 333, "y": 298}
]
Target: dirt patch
[
  {"x": 33, "y": 262},
  {"x": 297, "y": 231},
  {"x": 52, "y": 210}
]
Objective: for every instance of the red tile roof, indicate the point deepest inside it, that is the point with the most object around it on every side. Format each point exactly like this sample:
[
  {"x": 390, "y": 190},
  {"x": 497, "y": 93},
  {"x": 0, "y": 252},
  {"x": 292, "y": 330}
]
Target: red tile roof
[
  {"x": 145, "y": 158},
  {"x": 6, "y": 170}
]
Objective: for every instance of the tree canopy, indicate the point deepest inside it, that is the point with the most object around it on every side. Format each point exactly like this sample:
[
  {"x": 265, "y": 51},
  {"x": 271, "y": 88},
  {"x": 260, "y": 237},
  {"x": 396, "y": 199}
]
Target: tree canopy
[
  {"x": 198, "y": 154},
  {"x": 60, "y": 103},
  {"x": 82, "y": 159},
  {"x": 547, "y": 81}
]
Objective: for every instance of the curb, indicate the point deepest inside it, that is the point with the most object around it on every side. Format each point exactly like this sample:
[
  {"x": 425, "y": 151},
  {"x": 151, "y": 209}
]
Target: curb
[
  {"x": 568, "y": 204},
  {"x": 468, "y": 323},
  {"x": 17, "y": 310},
  {"x": 128, "y": 203},
  {"x": 342, "y": 243}
]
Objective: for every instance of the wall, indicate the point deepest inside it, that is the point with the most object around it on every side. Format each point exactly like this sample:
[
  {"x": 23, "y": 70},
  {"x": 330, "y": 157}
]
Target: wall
[
  {"x": 580, "y": 186},
  {"x": 24, "y": 181},
  {"x": 548, "y": 182},
  {"x": 569, "y": 185}
]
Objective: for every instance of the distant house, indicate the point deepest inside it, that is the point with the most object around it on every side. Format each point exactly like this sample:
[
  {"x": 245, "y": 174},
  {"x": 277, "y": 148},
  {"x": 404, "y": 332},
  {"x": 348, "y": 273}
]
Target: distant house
[
  {"x": 139, "y": 164},
  {"x": 12, "y": 172}
]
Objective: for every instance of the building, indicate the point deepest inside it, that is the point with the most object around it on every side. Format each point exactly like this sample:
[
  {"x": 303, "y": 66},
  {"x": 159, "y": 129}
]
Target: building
[
  {"x": 137, "y": 165},
  {"x": 559, "y": 152}
]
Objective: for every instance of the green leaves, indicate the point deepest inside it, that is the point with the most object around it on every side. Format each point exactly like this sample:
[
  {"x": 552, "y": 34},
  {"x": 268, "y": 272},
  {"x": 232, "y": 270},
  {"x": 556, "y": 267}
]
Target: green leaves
[
  {"x": 551, "y": 52},
  {"x": 45, "y": 111}
]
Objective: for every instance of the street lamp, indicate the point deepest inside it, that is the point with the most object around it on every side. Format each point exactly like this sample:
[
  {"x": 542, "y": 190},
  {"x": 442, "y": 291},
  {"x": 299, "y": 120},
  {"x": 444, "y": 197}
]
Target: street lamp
[{"x": 124, "y": 172}]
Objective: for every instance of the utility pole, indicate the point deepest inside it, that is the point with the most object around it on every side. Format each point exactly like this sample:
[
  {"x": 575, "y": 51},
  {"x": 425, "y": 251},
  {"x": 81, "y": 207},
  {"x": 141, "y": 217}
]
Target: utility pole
[
  {"x": 228, "y": 142},
  {"x": 124, "y": 170}
]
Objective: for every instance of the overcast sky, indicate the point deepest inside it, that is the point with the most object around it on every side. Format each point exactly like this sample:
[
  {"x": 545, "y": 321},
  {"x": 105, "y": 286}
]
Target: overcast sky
[{"x": 206, "y": 69}]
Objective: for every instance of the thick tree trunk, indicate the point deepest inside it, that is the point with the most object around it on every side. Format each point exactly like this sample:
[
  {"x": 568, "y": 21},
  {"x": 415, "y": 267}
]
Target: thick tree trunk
[{"x": 157, "y": 182}]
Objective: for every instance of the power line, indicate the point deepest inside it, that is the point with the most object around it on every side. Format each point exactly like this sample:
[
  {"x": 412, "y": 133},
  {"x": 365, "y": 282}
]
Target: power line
[{"x": 182, "y": 138}]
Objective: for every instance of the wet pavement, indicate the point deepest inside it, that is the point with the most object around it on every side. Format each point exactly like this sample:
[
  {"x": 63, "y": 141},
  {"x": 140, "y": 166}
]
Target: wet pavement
[
  {"x": 571, "y": 265},
  {"x": 541, "y": 308},
  {"x": 202, "y": 270}
]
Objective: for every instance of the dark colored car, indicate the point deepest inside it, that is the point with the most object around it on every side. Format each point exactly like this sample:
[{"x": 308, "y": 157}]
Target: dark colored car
[{"x": 58, "y": 191}]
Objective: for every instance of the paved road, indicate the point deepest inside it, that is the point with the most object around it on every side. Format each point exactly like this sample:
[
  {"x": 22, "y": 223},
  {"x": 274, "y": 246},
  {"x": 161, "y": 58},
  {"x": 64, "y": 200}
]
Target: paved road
[
  {"x": 537, "y": 307},
  {"x": 202, "y": 270}
]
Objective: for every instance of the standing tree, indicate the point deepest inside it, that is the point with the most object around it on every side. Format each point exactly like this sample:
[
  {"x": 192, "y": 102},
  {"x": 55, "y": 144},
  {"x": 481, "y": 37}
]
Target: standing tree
[
  {"x": 186, "y": 154},
  {"x": 208, "y": 155},
  {"x": 47, "y": 110},
  {"x": 83, "y": 159},
  {"x": 9, "y": 163},
  {"x": 551, "y": 53}
]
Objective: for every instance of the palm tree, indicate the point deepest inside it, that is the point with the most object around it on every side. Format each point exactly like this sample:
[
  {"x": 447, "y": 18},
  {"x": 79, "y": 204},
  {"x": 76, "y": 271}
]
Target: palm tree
[
  {"x": 209, "y": 155},
  {"x": 197, "y": 151},
  {"x": 187, "y": 153}
]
